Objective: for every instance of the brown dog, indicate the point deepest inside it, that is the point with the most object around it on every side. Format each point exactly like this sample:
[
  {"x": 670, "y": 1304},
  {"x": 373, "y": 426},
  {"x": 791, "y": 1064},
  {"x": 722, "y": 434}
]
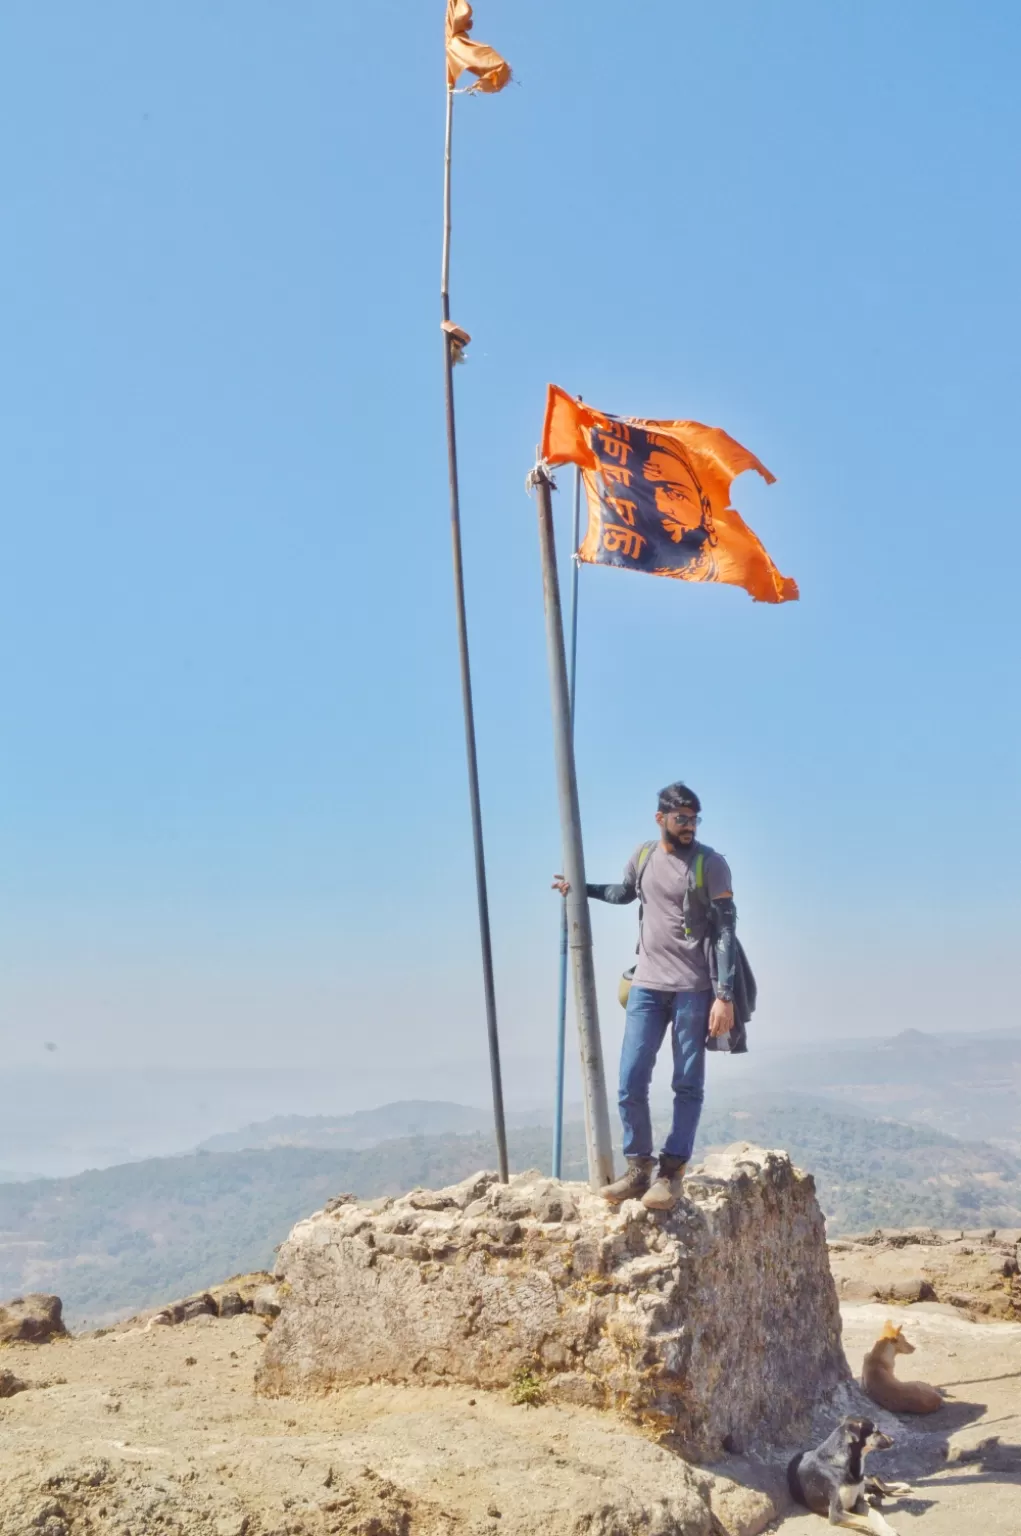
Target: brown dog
[{"x": 880, "y": 1383}]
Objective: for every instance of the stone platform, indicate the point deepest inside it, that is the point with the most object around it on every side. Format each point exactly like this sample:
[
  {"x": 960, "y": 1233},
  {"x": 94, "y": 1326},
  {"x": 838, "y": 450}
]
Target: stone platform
[{"x": 717, "y": 1326}]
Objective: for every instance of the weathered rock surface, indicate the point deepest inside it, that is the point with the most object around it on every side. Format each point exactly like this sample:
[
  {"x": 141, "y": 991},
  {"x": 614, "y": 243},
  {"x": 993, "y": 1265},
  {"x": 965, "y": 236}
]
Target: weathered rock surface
[
  {"x": 31, "y": 1319},
  {"x": 717, "y": 1326},
  {"x": 155, "y": 1432},
  {"x": 978, "y": 1272}
]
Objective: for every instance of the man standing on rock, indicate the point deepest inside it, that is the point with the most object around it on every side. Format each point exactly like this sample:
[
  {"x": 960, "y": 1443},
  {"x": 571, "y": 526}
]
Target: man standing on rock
[{"x": 684, "y": 981}]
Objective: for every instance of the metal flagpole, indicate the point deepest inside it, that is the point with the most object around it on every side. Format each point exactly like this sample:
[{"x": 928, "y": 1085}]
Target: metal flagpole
[
  {"x": 572, "y": 668},
  {"x": 449, "y": 345},
  {"x": 579, "y": 929}
]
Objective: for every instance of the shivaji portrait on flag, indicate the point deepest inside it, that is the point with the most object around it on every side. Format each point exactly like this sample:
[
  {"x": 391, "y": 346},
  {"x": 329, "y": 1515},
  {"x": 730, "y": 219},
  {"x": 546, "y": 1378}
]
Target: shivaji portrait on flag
[{"x": 658, "y": 496}]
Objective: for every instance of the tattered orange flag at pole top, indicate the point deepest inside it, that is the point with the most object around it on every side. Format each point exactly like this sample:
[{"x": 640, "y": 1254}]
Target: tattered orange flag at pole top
[
  {"x": 658, "y": 495},
  {"x": 478, "y": 58}
]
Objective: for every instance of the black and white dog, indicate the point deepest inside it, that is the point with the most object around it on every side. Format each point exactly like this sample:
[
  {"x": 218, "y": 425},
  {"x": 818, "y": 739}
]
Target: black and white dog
[{"x": 831, "y": 1479}]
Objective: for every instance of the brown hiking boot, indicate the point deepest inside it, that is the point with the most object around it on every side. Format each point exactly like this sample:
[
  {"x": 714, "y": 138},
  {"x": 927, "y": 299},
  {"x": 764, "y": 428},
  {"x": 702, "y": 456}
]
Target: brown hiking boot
[
  {"x": 666, "y": 1191},
  {"x": 634, "y": 1183}
]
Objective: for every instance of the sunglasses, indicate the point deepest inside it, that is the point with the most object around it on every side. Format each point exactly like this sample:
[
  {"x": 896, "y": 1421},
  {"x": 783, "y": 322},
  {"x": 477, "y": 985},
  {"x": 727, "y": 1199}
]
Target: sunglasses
[{"x": 683, "y": 818}]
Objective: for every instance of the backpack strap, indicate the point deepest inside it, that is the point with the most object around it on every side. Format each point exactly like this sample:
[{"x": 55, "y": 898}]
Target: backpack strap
[
  {"x": 640, "y": 862},
  {"x": 643, "y": 855},
  {"x": 698, "y": 885}
]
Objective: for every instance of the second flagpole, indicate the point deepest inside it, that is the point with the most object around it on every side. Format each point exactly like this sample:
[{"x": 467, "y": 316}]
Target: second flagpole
[
  {"x": 579, "y": 928},
  {"x": 572, "y": 671},
  {"x": 450, "y": 342}
]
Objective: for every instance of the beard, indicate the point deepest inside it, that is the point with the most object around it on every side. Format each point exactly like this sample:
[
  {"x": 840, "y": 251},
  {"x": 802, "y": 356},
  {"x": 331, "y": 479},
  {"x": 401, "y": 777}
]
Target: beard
[{"x": 678, "y": 840}]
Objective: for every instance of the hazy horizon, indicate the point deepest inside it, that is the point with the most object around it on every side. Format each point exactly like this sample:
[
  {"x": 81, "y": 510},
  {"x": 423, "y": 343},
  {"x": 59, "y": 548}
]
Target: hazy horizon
[{"x": 61, "y": 1120}]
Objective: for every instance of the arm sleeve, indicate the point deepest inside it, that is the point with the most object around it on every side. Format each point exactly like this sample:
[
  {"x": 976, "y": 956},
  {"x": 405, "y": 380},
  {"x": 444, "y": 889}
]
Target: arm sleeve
[
  {"x": 725, "y": 944},
  {"x": 724, "y": 915},
  {"x": 618, "y": 895}
]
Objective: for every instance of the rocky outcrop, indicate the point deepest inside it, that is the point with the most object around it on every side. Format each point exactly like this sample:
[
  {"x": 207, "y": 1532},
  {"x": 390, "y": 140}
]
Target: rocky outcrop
[
  {"x": 266, "y": 1303},
  {"x": 31, "y": 1319},
  {"x": 138, "y": 1438},
  {"x": 978, "y": 1272},
  {"x": 716, "y": 1326},
  {"x": 231, "y": 1299}
]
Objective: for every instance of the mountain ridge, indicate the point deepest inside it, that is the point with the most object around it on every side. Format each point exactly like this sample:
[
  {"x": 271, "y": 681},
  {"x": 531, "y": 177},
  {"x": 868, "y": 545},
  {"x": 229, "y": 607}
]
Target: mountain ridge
[{"x": 115, "y": 1240}]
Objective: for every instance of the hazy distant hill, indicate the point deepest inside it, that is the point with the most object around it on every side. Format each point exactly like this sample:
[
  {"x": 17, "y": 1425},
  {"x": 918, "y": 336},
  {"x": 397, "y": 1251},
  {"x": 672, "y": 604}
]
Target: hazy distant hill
[
  {"x": 115, "y": 1240},
  {"x": 966, "y": 1084},
  {"x": 58, "y": 1121},
  {"x": 366, "y": 1127}
]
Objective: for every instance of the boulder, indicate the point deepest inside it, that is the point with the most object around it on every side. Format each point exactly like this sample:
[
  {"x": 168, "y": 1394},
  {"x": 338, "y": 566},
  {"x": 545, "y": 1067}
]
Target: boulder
[
  {"x": 232, "y": 1304},
  {"x": 716, "y": 1326},
  {"x": 914, "y": 1288},
  {"x": 196, "y": 1306},
  {"x": 266, "y": 1302},
  {"x": 976, "y": 1271},
  {"x": 31, "y": 1319},
  {"x": 10, "y": 1384},
  {"x": 234, "y": 1297}
]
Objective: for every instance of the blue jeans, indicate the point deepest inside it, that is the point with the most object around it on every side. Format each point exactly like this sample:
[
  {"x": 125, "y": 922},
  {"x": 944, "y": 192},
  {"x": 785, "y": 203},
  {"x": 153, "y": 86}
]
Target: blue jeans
[{"x": 648, "y": 1015}]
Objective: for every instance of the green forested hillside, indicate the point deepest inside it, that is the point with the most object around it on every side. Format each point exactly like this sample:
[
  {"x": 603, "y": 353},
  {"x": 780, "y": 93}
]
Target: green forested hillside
[
  {"x": 871, "y": 1173},
  {"x": 113, "y": 1241}
]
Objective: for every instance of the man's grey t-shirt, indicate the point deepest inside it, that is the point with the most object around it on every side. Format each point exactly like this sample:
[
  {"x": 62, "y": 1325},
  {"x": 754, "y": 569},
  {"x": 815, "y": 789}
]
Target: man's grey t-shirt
[{"x": 667, "y": 961}]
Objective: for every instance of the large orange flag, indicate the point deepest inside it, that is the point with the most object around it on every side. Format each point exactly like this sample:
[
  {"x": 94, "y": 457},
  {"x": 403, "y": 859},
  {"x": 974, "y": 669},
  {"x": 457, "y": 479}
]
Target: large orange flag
[
  {"x": 479, "y": 59},
  {"x": 658, "y": 495}
]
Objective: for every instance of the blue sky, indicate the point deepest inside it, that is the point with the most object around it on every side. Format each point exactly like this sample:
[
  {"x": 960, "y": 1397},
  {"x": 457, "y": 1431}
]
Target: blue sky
[{"x": 232, "y": 789}]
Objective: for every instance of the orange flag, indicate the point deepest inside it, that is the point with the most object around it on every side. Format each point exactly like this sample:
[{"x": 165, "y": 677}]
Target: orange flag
[
  {"x": 658, "y": 495},
  {"x": 463, "y": 54}
]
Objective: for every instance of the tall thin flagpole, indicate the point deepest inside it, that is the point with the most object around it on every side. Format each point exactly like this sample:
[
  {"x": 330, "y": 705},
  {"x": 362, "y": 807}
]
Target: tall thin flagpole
[
  {"x": 572, "y": 669},
  {"x": 466, "y": 685}
]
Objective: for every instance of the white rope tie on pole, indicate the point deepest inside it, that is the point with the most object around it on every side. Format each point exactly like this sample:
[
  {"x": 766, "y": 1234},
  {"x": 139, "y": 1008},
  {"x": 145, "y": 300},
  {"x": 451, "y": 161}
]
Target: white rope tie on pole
[{"x": 539, "y": 474}]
